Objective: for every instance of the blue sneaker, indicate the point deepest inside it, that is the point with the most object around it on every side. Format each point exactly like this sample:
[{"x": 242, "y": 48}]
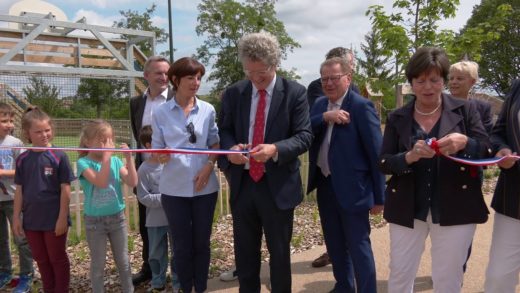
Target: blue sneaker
[
  {"x": 24, "y": 284},
  {"x": 5, "y": 280}
]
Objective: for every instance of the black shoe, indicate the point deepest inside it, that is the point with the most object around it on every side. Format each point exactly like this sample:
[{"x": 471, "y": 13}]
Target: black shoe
[{"x": 141, "y": 277}]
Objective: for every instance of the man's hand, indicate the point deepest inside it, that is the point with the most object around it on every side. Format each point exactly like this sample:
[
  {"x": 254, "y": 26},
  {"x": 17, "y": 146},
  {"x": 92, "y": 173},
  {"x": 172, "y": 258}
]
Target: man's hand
[
  {"x": 337, "y": 116},
  {"x": 238, "y": 159},
  {"x": 263, "y": 152}
]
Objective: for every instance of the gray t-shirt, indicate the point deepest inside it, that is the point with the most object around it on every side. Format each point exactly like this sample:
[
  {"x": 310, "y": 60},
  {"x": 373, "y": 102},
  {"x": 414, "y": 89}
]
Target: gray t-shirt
[
  {"x": 148, "y": 193},
  {"x": 7, "y": 162}
]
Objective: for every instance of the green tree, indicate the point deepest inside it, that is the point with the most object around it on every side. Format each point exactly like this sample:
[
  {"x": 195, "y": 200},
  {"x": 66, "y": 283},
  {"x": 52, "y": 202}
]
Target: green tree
[
  {"x": 375, "y": 68},
  {"x": 132, "y": 19},
  {"x": 102, "y": 94},
  {"x": 43, "y": 95},
  {"x": 413, "y": 25},
  {"x": 223, "y": 23},
  {"x": 492, "y": 38}
]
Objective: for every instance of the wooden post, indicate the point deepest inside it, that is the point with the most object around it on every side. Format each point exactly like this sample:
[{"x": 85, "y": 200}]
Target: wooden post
[{"x": 399, "y": 96}]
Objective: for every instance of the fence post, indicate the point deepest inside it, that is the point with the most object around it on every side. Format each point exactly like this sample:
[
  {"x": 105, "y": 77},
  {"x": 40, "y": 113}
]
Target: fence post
[{"x": 77, "y": 203}]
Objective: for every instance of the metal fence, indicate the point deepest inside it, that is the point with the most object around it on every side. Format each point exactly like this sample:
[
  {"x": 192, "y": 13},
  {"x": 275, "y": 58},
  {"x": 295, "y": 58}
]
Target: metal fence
[{"x": 71, "y": 101}]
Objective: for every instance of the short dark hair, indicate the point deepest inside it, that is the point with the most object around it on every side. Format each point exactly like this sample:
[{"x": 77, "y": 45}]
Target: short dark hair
[
  {"x": 428, "y": 59},
  {"x": 184, "y": 67},
  {"x": 6, "y": 110},
  {"x": 145, "y": 135}
]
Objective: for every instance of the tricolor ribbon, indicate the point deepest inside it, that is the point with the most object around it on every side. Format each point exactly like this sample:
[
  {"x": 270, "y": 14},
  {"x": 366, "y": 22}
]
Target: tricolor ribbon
[
  {"x": 192, "y": 151},
  {"x": 480, "y": 162}
]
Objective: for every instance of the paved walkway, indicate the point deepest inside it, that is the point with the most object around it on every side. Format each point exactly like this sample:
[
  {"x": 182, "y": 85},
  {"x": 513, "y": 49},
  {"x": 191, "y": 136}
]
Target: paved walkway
[{"x": 311, "y": 280}]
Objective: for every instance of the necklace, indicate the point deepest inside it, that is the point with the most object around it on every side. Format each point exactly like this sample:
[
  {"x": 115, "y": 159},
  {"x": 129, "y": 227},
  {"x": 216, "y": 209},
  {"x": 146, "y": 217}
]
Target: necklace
[{"x": 426, "y": 113}]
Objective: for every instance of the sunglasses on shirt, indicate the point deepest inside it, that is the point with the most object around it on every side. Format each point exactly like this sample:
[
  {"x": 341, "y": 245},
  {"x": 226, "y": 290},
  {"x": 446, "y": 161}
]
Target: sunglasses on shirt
[{"x": 191, "y": 130}]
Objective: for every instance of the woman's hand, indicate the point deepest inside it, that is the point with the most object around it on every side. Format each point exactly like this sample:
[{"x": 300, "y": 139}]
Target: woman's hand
[
  {"x": 164, "y": 158},
  {"x": 452, "y": 143},
  {"x": 506, "y": 163},
  {"x": 419, "y": 151},
  {"x": 202, "y": 177}
]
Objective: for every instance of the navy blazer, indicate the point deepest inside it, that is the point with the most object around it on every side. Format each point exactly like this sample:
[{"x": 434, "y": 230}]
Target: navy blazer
[
  {"x": 137, "y": 105},
  {"x": 461, "y": 199},
  {"x": 287, "y": 127},
  {"x": 353, "y": 153},
  {"x": 506, "y": 134}
]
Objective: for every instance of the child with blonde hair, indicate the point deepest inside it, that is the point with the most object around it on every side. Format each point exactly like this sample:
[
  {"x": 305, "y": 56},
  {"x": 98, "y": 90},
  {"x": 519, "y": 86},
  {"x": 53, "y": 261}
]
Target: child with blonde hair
[
  {"x": 42, "y": 195},
  {"x": 101, "y": 175}
]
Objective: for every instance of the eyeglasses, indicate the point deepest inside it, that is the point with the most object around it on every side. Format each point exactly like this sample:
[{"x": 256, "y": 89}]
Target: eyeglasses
[
  {"x": 261, "y": 72},
  {"x": 333, "y": 78},
  {"x": 191, "y": 130}
]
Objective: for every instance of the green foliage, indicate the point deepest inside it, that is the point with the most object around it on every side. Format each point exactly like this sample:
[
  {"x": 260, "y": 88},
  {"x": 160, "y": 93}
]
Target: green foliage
[
  {"x": 132, "y": 19},
  {"x": 43, "y": 95},
  {"x": 104, "y": 95},
  {"x": 413, "y": 25},
  {"x": 492, "y": 37},
  {"x": 223, "y": 23},
  {"x": 374, "y": 70}
]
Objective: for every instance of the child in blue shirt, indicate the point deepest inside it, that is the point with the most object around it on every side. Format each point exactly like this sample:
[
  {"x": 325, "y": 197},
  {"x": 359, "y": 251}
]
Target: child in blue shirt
[{"x": 7, "y": 166}]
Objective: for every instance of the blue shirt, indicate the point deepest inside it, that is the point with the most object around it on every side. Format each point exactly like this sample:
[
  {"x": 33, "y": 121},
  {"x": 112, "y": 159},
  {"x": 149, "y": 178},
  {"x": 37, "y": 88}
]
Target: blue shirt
[
  {"x": 169, "y": 131},
  {"x": 41, "y": 174},
  {"x": 101, "y": 201}
]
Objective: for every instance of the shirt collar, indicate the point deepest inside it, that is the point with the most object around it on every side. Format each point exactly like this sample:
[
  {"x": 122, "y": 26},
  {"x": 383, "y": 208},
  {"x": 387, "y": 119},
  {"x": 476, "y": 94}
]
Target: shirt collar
[
  {"x": 173, "y": 104},
  {"x": 164, "y": 94},
  {"x": 339, "y": 102},
  {"x": 269, "y": 89}
]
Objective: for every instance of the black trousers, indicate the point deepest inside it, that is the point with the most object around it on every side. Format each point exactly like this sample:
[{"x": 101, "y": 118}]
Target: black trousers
[{"x": 254, "y": 211}]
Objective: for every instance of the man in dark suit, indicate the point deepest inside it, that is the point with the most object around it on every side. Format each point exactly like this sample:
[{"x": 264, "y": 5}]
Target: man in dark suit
[
  {"x": 268, "y": 115},
  {"x": 141, "y": 110},
  {"x": 314, "y": 91},
  {"x": 343, "y": 167}
]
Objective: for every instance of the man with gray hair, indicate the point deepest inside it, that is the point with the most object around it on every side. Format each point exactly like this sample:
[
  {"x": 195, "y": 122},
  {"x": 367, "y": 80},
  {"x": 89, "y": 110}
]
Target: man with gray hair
[
  {"x": 141, "y": 110},
  {"x": 268, "y": 115},
  {"x": 314, "y": 90}
]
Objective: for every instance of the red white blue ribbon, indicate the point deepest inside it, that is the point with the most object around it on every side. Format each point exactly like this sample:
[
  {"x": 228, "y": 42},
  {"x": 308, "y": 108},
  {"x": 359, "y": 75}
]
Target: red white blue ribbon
[
  {"x": 472, "y": 162},
  {"x": 191, "y": 151}
]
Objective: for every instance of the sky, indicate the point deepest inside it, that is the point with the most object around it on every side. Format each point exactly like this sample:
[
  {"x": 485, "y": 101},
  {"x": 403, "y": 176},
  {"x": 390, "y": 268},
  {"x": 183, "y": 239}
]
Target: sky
[{"x": 317, "y": 25}]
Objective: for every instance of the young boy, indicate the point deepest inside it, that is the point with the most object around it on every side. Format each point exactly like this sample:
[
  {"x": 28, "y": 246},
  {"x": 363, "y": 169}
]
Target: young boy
[
  {"x": 156, "y": 222},
  {"x": 7, "y": 187}
]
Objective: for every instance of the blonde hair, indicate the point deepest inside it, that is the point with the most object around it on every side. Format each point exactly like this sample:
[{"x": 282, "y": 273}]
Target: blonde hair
[
  {"x": 92, "y": 130},
  {"x": 468, "y": 67},
  {"x": 30, "y": 115}
]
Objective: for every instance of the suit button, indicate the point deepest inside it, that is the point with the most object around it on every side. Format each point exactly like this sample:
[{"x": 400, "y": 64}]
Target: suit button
[
  {"x": 464, "y": 186},
  {"x": 462, "y": 169},
  {"x": 393, "y": 190},
  {"x": 383, "y": 161}
]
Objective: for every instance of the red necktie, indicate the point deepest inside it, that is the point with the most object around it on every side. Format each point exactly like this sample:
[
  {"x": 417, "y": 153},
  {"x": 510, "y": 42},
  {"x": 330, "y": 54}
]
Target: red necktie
[{"x": 256, "y": 169}]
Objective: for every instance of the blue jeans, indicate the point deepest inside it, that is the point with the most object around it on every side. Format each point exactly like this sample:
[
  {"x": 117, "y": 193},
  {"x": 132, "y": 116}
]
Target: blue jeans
[
  {"x": 98, "y": 230},
  {"x": 24, "y": 252},
  {"x": 158, "y": 238}
]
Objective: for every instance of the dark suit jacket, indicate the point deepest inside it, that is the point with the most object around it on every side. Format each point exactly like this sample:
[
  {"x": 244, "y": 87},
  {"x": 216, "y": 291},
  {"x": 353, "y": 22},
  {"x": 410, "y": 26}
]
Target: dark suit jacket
[
  {"x": 353, "y": 153},
  {"x": 484, "y": 109},
  {"x": 461, "y": 200},
  {"x": 137, "y": 105},
  {"x": 506, "y": 134},
  {"x": 314, "y": 91},
  {"x": 287, "y": 127}
]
